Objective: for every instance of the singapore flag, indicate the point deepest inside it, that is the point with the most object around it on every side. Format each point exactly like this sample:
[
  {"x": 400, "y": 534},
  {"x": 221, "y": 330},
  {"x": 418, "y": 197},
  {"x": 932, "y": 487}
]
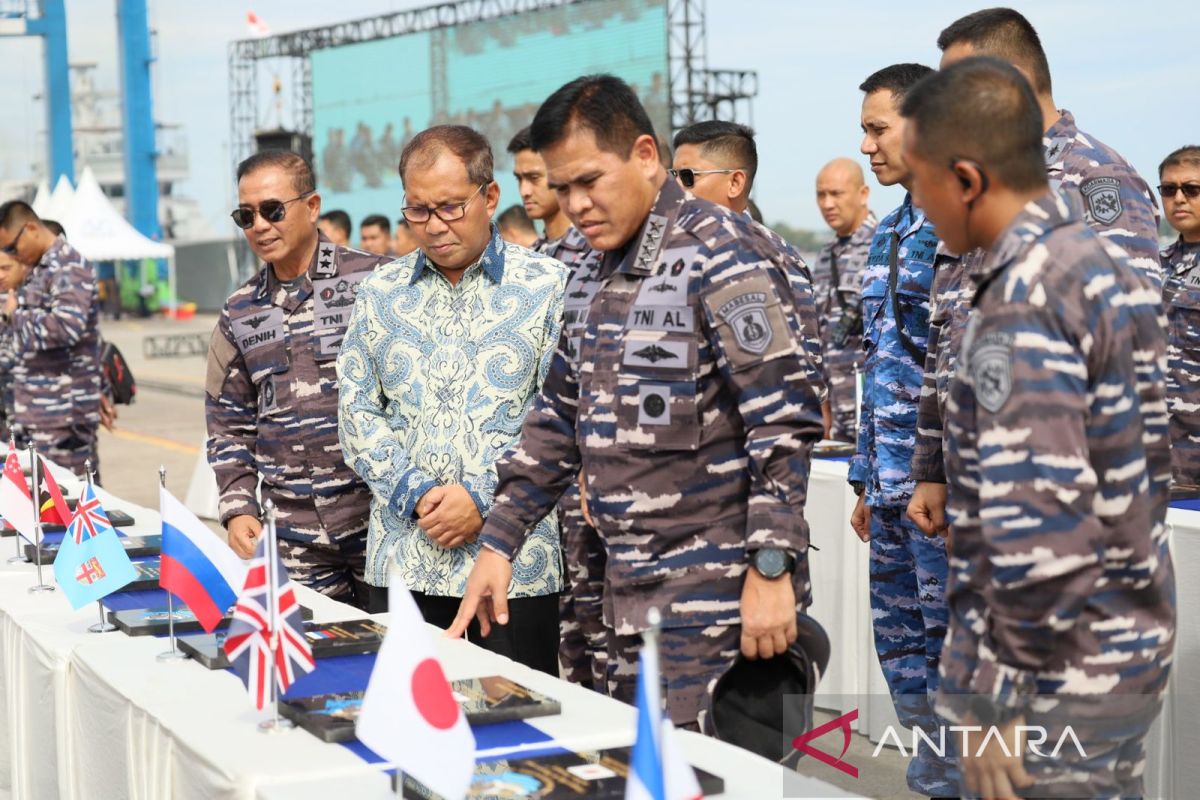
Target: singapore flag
[{"x": 409, "y": 715}]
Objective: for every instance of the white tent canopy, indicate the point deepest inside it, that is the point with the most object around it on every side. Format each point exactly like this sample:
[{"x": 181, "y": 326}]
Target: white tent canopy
[
  {"x": 60, "y": 200},
  {"x": 100, "y": 233}
]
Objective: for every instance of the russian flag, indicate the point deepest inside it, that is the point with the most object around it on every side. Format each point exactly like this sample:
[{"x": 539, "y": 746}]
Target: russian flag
[{"x": 197, "y": 567}]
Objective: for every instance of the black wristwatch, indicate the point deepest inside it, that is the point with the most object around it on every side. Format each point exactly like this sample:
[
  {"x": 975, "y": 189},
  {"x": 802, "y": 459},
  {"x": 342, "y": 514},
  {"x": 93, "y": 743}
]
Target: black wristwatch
[
  {"x": 859, "y": 487},
  {"x": 773, "y": 562},
  {"x": 988, "y": 713}
]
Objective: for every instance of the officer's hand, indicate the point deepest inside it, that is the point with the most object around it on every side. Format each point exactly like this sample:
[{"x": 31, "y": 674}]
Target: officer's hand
[
  {"x": 827, "y": 418},
  {"x": 455, "y": 520},
  {"x": 989, "y": 771},
  {"x": 486, "y": 596},
  {"x": 10, "y": 302},
  {"x": 860, "y": 520},
  {"x": 108, "y": 412},
  {"x": 768, "y": 615},
  {"x": 583, "y": 499},
  {"x": 243, "y": 534},
  {"x": 927, "y": 509}
]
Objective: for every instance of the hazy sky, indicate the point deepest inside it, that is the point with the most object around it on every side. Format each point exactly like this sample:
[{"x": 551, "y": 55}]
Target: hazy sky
[{"x": 1123, "y": 68}]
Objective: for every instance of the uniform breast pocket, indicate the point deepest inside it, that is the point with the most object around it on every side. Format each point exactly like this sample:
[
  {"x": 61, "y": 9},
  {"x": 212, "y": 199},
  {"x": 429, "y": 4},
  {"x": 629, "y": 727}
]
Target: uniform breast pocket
[
  {"x": 913, "y": 316},
  {"x": 269, "y": 367},
  {"x": 656, "y": 395},
  {"x": 1184, "y": 318}
]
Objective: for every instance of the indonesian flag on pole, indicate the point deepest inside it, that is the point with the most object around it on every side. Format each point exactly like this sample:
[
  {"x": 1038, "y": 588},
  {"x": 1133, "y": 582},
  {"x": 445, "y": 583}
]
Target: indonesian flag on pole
[
  {"x": 258, "y": 28},
  {"x": 16, "y": 503},
  {"x": 409, "y": 715},
  {"x": 657, "y": 767}
]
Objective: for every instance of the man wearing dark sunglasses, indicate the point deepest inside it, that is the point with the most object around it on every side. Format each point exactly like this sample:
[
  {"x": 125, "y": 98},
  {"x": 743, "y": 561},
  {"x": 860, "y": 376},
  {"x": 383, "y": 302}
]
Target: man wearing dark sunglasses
[
  {"x": 272, "y": 382},
  {"x": 1179, "y": 185},
  {"x": 52, "y": 322}
]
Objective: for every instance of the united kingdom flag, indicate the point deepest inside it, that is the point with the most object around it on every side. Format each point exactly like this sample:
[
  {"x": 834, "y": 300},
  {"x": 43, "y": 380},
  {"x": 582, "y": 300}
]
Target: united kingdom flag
[{"x": 261, "y": 635}]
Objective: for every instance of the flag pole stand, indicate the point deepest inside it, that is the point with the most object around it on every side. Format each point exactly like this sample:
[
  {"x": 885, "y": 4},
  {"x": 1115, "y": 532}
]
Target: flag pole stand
[
  {"x": 275, "y": 723},
  {"x": 41, "y": 585},
  {"x": 103, "y": 626},
  {"x": 174, "y": 654}
]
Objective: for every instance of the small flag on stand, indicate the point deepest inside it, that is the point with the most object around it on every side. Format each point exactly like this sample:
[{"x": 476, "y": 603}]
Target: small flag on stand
[
  {"x": 409, "y": 715},
  {"x": 91, "y": 562},
  {"x": 54, "y": 509},
  {"x": 266, "y": 634},
  {"x": 657, "y": 767},
  {"x": 16, "y": 502},
  {"x": 196, "y": 566}
]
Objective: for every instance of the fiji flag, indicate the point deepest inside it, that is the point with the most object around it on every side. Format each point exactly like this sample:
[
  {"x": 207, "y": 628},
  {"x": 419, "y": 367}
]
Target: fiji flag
[
  {"x": 91, "y": 562},
  {"x": 657, "y": 767}
]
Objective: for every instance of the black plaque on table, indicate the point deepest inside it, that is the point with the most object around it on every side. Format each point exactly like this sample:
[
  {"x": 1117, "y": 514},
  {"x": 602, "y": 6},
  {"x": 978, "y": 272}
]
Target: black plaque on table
[
  {"x": 329, "y": 639},
  {"x": 330, "y": 717},
  {"x": 595, "y": 775},
  {"x": 118, "y": 519},
  {"x": 147, "y": 577},
  {"x": 830, "y": 448},
  {"x": 153, "y": 621},
  {"x": 134, "y": 546},
  {"x": 1185, "y": 492}
]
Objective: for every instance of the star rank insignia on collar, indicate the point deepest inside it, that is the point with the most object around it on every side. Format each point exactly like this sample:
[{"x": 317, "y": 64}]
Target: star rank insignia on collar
[
  {"x": 651, "y": 241},
  {"x": 326, "y": 260}
]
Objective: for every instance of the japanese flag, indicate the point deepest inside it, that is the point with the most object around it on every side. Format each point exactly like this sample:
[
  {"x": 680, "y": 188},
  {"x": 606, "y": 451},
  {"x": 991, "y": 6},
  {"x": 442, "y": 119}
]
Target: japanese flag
[
  {"x": 409, "y": 715},
  {"x": 16, "y": 503}
]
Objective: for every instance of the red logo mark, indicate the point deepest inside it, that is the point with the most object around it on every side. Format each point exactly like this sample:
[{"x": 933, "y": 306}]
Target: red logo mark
[{"x": 843, "y": 722}]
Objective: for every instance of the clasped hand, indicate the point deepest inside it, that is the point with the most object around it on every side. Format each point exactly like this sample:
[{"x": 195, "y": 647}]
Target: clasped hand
[{"x": 449, "y": 516}]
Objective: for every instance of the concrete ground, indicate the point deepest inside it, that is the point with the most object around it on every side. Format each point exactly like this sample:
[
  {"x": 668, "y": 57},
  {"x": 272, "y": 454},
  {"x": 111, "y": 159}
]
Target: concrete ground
[{"x": 165, "y": 425}]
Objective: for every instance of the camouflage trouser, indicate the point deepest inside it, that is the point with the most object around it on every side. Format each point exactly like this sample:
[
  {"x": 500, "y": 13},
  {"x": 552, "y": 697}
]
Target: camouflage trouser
[
  {"x": 583, "y": 648},
  {"x": 336, "y": 570},
  {"x": 70, "y": 448},
  {"x": 843, "y": 397},
  {"x": 690, "y": 659},
  {"x": 910, "y": 616}
]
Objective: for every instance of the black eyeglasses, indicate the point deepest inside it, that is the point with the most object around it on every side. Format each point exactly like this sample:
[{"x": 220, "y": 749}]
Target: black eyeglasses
[
  {"x": 1190, "y": 190},
  {"x": 270, "y": 210},
  {"x": 447, "y": 213},
  {"x": 688, "y": 176},
  {"x": 11, "y": 250}
]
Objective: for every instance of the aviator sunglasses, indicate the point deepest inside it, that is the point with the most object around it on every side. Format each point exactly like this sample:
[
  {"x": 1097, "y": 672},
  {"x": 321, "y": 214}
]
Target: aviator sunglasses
[
  {"x": 688, "y": 176},
  {"x": 270, "y": 210},
  {"x": 1190, "y": 190}
]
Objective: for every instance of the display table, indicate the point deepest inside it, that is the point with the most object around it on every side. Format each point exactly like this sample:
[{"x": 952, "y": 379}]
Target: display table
[{"x": 98, "y": 716}]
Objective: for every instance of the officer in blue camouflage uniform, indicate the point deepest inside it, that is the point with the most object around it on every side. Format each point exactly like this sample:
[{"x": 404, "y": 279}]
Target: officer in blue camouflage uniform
[
  {"x": 1117, "y": 202},
  {"x": 837, "y": 281},
  {"x": 1061, "y": 589},
  {"x": 908, "y": 570},
  {"x": 51, "y": 326},
  {"x": 684, "y": 410},
  {"x": 583, "y": 649},
  {"x": 272, "y": 388},
  {"x": 1179, "y": 183}
]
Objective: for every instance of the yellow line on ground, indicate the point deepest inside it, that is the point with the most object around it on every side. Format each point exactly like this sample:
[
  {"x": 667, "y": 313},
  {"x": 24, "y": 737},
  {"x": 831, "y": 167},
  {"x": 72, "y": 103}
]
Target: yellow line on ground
[{"x": 156, "y": 441}]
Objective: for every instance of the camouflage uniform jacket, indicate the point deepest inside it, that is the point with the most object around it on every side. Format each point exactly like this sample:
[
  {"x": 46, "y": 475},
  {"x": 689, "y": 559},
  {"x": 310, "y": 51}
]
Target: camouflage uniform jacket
[
  {"x": 1118, "y": 205},
  {"x": 1181, "y": 297},
  {"x": 570, "y": 248},
  {"x": 1061, "y": 579},
  {"x": 837, "y": 283},
  {"x": 676, "y": 388},
  {"x": 895, "y": 325},
  {"x": 272, "y": 399},
  {"x": 54, "y": 341},
  {"x": 436, "y": 381}
]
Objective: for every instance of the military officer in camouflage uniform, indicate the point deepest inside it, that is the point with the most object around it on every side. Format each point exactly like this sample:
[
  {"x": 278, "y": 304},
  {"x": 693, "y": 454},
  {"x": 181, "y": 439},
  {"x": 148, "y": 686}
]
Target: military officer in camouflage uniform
[
  {"x": 272, "y": 388},
  {"x": 583, "y": 648},
  {"x": 1179, "y": 183},
  {"x": 1116, "y": 200},
  {"x": 908, "y": 570},
  {"x": 1062, "y": 586},
  {"x": 51, "y": 324},
  {"x": 677, "y": 395},
  {"x": 837, "y": 279}
]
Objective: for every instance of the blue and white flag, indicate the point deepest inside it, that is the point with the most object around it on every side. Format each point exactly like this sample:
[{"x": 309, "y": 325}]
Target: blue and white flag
[{"x": 91, "y": 562}]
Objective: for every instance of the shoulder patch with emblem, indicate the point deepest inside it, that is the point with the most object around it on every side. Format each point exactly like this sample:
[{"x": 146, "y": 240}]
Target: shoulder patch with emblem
[
  {"x": 750, "y": 319},
  {"x": 1103, "y": 199},
  {"x": 991, "y": 369}
]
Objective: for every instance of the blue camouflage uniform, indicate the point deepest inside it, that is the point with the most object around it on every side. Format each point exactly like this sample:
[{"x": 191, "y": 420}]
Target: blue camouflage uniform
[
  {"x": 679, "y": 387},
  {"x": 1061, "y": 591},
  {"x": 1181, "y": 298},
  {"x": 908, "y": 569}
]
